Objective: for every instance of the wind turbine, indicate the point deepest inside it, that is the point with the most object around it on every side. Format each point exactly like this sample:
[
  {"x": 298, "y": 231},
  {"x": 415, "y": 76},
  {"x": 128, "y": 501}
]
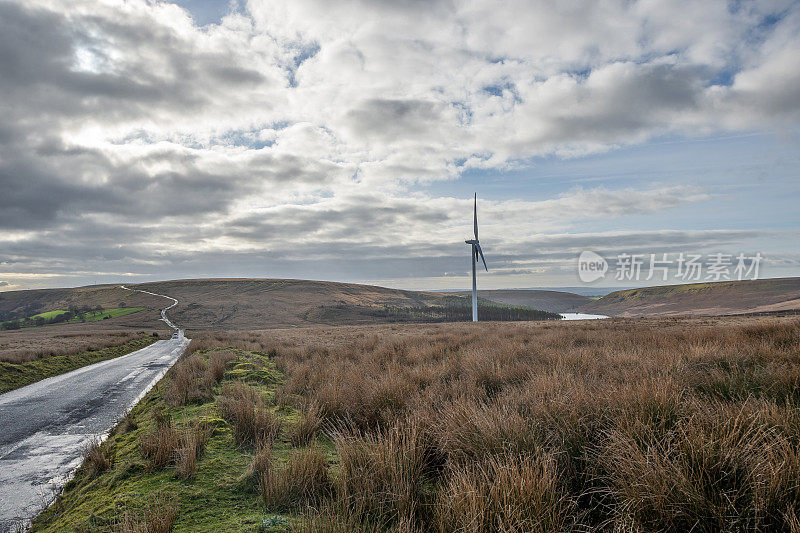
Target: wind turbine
[{"x": 476, "y": 249}]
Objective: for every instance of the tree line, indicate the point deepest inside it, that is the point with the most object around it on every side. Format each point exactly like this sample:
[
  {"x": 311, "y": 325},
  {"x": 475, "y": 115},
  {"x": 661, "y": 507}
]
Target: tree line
[{"x": 450, "y": 309}]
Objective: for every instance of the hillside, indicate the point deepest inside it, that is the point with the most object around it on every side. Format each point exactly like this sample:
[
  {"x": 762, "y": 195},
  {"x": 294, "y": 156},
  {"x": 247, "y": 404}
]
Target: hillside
[
  {"x": 723, "y": 298},
  {"x": 269, "y": 303},
  {"x": 29, "y": 303},
  {"x": 239, "y": 304},
  {"x": 553, "y": 301}
]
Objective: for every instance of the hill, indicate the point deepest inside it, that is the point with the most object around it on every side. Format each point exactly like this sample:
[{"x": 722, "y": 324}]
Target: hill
[
  {"x": 552, "y": 301},
  {"x": 260, "y": 303},
  {"x": 721, "y": 298},
  {"x": 16, "y": 305}
]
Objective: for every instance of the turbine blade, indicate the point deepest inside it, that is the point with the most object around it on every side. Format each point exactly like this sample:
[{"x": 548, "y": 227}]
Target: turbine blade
[
  {"x": 475, "y": 216},
  {"x": 478, "y": 247}
]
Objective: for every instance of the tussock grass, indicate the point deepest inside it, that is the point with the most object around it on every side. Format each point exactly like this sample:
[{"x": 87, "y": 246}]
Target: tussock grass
[
  {"x": 619, "y": 425},
  {"x": 303, "y": 481},
  {"x": 160, "y": 445},
  {"x": 634, "y": 425},
  {"x": 158, "y": 516},
  {"x": 166, "y": 445},
  {"x": 193, "y": 378},
  {"x": 305, "y": 430},
  {"x": 505, "y": 493},
  {"x": 96, "y": 457},
  {"x": 244, "y": 407},
  {"x": 383, "y": 475}
]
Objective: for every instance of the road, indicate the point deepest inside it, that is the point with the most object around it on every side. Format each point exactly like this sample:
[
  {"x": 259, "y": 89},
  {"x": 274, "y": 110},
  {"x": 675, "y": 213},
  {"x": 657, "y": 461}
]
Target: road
[
  {"x": 45, "y": 426},
  {"x": 163, "y": 311}
]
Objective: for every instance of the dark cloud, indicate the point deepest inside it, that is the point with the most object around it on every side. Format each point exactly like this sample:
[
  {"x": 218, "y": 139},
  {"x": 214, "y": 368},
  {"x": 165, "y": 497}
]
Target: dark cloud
[{"x": 390, "y": 120}]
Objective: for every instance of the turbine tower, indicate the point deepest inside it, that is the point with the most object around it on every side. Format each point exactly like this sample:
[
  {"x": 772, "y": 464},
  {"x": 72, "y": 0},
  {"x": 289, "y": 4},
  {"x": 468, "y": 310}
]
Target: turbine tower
[{"x": 476, "y": 249}]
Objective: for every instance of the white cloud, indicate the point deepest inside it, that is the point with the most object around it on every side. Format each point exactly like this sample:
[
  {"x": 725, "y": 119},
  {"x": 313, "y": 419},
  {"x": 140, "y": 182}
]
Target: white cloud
[{"x": 312, "y": 119}]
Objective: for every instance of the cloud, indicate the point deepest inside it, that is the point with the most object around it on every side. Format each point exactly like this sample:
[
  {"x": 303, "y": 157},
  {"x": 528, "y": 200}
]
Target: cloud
[{"x": 306, "y": 130}]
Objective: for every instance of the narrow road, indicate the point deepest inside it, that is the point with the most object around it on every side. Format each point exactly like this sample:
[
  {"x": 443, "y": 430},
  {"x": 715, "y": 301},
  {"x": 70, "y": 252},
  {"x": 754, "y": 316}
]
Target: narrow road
[
  {"x": 163, "y": 311},
  {"x": 46, "y": 426}
]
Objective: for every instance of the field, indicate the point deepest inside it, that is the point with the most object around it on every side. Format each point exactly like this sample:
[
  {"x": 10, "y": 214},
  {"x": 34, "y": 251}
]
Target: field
[
  {"x": 617, "y": 425},
  {"x": 88, "y": 316},
  {"x": 94, "y": 316},
  {"x": 710, "y": 299}
]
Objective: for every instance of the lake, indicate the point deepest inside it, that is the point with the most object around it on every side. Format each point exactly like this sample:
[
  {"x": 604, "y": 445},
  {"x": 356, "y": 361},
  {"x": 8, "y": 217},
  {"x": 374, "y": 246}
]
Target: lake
[{"x": 580, "y": 316}]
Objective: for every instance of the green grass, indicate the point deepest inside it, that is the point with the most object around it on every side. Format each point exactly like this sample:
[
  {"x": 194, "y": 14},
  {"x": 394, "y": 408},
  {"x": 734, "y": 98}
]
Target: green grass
[
  {"x": 47, "y": 315},
  {"x": 15, "y": 375},
  {"x": 214, "y": 500},
  {"x": 91, "y": 316}
]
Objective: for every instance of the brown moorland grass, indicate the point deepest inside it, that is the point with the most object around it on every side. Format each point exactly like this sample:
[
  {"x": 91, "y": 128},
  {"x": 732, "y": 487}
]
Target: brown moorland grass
[
  {"x": 304, "y": 480},
  {"x": 244, "y": 407},
  {"x": 166, "y": 445},
  {"x": 645, "y": 425},
  {"x": 37, "y": 343}
]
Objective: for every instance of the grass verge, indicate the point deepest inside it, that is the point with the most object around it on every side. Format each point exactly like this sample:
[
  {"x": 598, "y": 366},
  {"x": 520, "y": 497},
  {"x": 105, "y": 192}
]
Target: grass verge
[
  {"x": 177, "y": 461},
  {"x": 16, "y": 375}
]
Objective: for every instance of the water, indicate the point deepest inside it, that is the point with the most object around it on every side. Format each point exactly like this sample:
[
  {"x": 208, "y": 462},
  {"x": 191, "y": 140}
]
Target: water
[{"x": 581, "y": 316}]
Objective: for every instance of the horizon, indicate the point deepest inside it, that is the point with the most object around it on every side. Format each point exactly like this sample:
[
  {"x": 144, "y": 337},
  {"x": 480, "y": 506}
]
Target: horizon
[
  {"x": 583, "y": 290},
  {"x": 191, "y": 139}
]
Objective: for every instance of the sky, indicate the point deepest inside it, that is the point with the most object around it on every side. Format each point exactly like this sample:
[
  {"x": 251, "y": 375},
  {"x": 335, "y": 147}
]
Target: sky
[{"x": 150, "y": 140}]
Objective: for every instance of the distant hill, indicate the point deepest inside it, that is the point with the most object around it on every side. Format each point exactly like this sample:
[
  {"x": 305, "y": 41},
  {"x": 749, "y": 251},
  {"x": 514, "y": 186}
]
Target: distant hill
[
  {"x": 721, "y": 298},
  {"x": 545, "y": 300},
  {"x": 268, "y": 303}
]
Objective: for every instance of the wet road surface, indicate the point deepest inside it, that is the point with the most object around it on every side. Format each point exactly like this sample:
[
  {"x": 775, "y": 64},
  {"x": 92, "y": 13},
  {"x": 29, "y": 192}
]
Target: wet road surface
[{"x": 45, "y": 426}]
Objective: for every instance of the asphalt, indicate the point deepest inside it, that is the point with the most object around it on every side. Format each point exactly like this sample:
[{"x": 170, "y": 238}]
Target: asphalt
[{"x": 45, "y": 427}]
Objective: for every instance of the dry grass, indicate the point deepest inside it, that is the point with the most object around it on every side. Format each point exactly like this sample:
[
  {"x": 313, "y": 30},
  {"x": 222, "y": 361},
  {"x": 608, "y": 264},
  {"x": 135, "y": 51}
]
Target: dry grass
[
  {"x": 96, "y": 457},
  {"x": 165, "y": 445},
  {"x": 160, "y": 445},
  {"x": 245, "y": 409},
  {"x": 37, "y": 343},
  {"x": 384, "y": 474},
  {"x": 193, "y": 379},
  {"x": 644, "y": 425},
  {"x": 304, "y": 480},
  {"x": 158, "y": 516},
  {"x": 305, "y": 430},
  {"x": 505, "y": 493}
]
